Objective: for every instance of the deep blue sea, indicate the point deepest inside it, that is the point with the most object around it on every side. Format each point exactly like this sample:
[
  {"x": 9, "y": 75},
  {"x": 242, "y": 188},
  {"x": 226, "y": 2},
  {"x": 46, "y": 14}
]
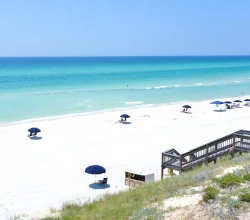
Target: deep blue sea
[{"x": 53, "y": 86}]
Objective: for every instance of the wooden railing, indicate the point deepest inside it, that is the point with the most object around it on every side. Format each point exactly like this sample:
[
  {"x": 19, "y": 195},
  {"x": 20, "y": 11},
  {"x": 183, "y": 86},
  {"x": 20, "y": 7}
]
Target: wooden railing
[{"x": 235, "y": 142}]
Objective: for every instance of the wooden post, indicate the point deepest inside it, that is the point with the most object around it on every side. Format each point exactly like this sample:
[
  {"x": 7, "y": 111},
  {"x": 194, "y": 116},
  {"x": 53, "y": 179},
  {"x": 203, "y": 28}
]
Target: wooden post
[
  {"x": 232, "y": 148},
  {"x": 170, "y": 171},
  {"x": 180, "y": 164},
  {"x": 241, "y": 141},
  {"x": 216, "y": 147},
  {"x": 162, "y": 166},
  {"x": 233, "y": 139},
  {"x": 206, "y": 155}
]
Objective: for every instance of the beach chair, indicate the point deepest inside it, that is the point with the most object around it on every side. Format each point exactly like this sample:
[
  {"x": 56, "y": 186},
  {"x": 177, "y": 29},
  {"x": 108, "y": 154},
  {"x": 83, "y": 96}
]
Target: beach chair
[
  {"x": 103, "y": 181},
  {"x": 29, "y": 135}
]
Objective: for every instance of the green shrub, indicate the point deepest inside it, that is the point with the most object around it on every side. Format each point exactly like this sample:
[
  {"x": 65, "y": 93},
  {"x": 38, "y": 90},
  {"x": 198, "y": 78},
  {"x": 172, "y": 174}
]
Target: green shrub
[
  {"x": 210, "y": 193},
  {"x": 230, "y": 180},
  {"x": 216, "y": 180},
  {"x": 233, "y": 203},
  {"x": 246, "y": 177},
  {"x": 245, "y": 197}
]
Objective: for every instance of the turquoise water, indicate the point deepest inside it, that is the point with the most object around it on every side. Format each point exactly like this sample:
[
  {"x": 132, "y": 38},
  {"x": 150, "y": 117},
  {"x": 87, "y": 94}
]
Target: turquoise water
[{"x": 42, "y": 87}]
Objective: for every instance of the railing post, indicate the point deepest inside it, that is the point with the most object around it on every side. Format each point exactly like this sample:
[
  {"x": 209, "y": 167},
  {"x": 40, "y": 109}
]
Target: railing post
[
  {"x": 162, "y": 166},
  {"x": 233, "y": 147},
  {"x": 241, "y": 141},
  {"x": 206, "y": 155},
  {"x": 180, "y": 163},
  {"x": 216, "y": 147}
]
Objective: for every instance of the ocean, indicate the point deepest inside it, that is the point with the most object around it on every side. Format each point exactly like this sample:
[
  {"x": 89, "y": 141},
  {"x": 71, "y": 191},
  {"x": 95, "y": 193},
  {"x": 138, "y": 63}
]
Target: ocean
[{"x": 40, "y": 87}]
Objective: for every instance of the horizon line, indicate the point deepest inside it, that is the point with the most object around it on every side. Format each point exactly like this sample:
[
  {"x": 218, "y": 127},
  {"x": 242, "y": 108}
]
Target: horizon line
[{"x": 126, "y": 56}]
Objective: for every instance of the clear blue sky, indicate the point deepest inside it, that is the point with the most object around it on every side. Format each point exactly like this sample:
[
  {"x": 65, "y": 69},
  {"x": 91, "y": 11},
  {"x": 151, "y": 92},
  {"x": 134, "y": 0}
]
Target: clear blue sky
[{"x": 124, "y": 27}]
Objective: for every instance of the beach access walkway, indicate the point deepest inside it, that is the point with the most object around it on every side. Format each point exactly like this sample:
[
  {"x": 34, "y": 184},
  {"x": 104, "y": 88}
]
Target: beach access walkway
[{"x": 238, "y": 141}]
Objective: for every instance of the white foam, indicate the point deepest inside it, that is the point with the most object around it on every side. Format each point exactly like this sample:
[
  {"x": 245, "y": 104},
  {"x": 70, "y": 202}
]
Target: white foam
[
  {"x": 177, "y": 85},
  {"x": 155, "y": 87},
  {"x": 133, "y": 103},
  {"x": 236, "y": 81},
  {"x": 160, "y": 87},
  {"x": 198, "y": 84}
]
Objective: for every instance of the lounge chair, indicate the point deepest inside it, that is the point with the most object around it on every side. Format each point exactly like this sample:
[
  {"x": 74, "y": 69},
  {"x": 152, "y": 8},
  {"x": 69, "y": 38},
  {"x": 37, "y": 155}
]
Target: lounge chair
[{"x": 103, "y": 181}]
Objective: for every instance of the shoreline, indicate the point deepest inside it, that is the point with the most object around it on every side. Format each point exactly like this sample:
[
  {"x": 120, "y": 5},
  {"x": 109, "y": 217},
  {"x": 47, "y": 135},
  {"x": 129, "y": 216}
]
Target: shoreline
[
  {"x": 52, "y": 167},
  {"x": 135, "y": 107}
]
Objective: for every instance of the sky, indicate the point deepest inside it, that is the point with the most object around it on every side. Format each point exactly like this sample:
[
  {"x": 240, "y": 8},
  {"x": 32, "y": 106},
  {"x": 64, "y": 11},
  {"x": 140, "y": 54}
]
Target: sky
[{"x": 124, "y": 28}]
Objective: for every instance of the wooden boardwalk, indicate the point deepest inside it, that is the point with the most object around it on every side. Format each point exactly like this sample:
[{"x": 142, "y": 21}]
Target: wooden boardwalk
[{"x": 236, "y": 142}]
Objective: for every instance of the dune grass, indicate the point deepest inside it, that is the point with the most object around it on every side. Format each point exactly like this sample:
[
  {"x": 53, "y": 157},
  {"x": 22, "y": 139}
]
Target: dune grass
[
  {"x": 142, "y": 202},
  {"x": 210, "y": 193}
]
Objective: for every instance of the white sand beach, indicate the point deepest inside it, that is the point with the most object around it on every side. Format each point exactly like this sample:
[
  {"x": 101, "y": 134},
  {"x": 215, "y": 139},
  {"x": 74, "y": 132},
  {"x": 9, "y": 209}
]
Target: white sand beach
[{"x": 44, "y": 173}]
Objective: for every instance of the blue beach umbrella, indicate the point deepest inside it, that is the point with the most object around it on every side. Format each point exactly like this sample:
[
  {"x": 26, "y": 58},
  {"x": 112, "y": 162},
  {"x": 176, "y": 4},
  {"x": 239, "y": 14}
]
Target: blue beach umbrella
[
  {"x": 228, "y": 102},
  {"x": 186, "y": 106},
  {"x": 217, "y": 102},
  {"x": 247, "y": 100},
  {"x": 125, "y": 116},
  {"x": 237, "y": 101},
  {"x": 34, "y": 130},
  {"x": 95, "y": 169}
]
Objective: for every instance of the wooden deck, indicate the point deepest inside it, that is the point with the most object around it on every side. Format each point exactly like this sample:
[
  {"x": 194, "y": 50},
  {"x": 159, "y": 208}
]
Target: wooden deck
[{"x": 232, "y": 143}]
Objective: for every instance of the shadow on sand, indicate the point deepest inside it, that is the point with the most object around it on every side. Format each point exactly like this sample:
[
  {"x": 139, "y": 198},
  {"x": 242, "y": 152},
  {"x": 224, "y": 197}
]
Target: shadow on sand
[
  {"x": 98, "y": 186},
  {"x": 35, "y": 138},
  {"x": 126, "y": 123},
  {"x": 186, "y": 112}
]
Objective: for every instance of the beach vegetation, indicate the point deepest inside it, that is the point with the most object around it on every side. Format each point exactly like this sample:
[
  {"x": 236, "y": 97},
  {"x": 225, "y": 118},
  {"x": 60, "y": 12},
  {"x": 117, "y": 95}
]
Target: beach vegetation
[
  {"x": 210, "y": 193},
  {"x": 146, "y": 201},
  {"x": 53, "y": 210},
  {"x": 233, "y": 203},
  {"x": 216, "y": 180},
  {"x": 231, "y": 180},
  {"x": 247, "y": 177},
  {"x": 245, "y": 197}
]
